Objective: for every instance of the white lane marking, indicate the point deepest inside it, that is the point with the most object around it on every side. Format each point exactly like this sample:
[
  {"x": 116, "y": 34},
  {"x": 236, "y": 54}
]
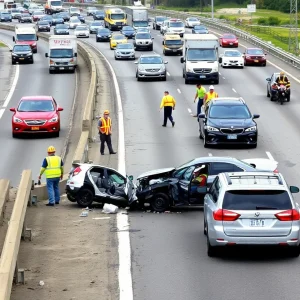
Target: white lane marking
[
  {"x": 125, "y": 276},
  {"x": 168, "y": 74},
  {"x": 209, "y": 154},
  {"x": 268, "y": 62},
  {"x": 179, "y": 91},
  {"x": 220, "y": 73},
  {"x": 270, "y": 155},
  {"x": 189, "y": 110},
  {"x": 2, "y": 110},
  {"x": 13, "y": 87},
  {"x": 234, "y": 90}
]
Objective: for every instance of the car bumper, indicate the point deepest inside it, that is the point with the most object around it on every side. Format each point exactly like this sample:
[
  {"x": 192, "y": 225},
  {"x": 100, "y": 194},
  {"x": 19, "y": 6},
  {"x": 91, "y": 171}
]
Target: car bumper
[
  {"x": 256, "y": 61},
  {"x": 143, "y": 46},
  {"x": 197, "y": 77},
  {"x": 62, "y": 68},
  {"x": 62, "y": 33},
  {"x": 72, "y": 190},
  {"x": 22, "y": 59},
  {"x": 174, "y": 51},
  {"x": 144, "y": 74},
  {"x": 106, "y": 39},
  {"x": 82, "y": 35},
  {"x": 217, "y": 237},
  {"x": 229, "y": 45},
  {"x": 26, "y": 21},
  {"x": 44, "y": 29},
  {"x": 233, "y": 64},
  {"x": 214, "y": 138},
  {"x": 6, "y": 20},
  {"x": 125, "y": 56},
  {"x": 18, "y": 128}
]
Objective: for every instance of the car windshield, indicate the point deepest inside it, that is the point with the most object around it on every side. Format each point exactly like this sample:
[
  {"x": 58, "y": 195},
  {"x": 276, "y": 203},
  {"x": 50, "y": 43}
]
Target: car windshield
[
  {"x": 22, "y": 48},
  {"x": 128, "y": 28},
  {"x": 117, "y": 16},
  {"x": 125, "y": 46},
  {"x": 143, "y": 36},
  {"x": 229, "y": 36},
  {"x": 193, "y": 19},
  {"x": 36, "y": 105},
  {"x": 118, "y": 37},
  {"x": 56, "y": 3},
  {"x": 232, "y": 54},
  {"x": 25, "y": 15},
  {"x": 199, "y": 27},
  {"x": 92, "y": 8},
  {"x": 97, "y": 24},
  {"x": 81, "y": 28},
  {"x": 38, "y": 13},
  {"x": 61, "y": 26},
  {"x": 176, "y": 24},
  {"x": 140, "y": 23},
  {"x": 61, "y": 53},
  {"x": 26, "y": 37},
  {"x": 229, "y": 112},
  {"x": 15, "y": 11},
  {"x": 99, "y": 13},
  {"x": 5, "y": 14},
  {"x": 201, "y": 55},
  {"x": 151, "y": 60},
  {"x": 174, "y": 42},
  {"x": 47, "y": 18},
  {"x": 104, "y": 31},
  {"x": 160, "y": 19},
  {"x": 74, "y": 9},
  {"x": 257, "y": 200},
  {"x": 255, "y": 51}
]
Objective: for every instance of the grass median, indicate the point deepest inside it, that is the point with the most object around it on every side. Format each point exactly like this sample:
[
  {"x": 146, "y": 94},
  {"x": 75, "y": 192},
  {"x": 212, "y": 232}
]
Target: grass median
[{"x": 2, "y": 45}]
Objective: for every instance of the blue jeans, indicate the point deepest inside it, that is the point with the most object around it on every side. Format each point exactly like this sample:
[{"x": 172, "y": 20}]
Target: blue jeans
[
  {"x": 53, "y": 189},
  {"x": 199, "y": 104}
]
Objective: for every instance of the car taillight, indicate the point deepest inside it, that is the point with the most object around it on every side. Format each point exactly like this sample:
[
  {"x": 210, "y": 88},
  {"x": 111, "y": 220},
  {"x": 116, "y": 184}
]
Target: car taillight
[
  {"x": 276, "y": 171},
  {"x": 76, "y": 171},
  {"x": 225, "y": 215},
  {"x": 288, "y": 215}
]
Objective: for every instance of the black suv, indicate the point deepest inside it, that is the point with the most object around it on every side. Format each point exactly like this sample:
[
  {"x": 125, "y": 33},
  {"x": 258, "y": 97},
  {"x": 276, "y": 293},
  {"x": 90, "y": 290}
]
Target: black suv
[
  {"x": 158, "y": 20},
  {"x": 228, "y": 121},
  {"x": 21, "y": 53}
]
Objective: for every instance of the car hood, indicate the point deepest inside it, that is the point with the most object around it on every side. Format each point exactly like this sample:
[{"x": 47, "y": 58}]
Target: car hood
[
  {"x": 264, "y": 164},
  {"x": 35, "y": 115},
  {"x": 22, "y": 52},
  {"x": 201, "y": 31},
  {"x": 156, "y": 172},
  {"x": 229, "y": 40},
  {"x": 231, "y": 122},
  {"x": 25, "y": 42},
  {"x": 151, "y": 66}
]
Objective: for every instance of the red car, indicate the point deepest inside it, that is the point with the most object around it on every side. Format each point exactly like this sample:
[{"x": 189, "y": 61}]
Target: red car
[
  {"x": 255, "y": 56},
  {"x": 37, "y": 15},
  {"x": 229, "y": 40},
  {"x": 36, "y": 114}
]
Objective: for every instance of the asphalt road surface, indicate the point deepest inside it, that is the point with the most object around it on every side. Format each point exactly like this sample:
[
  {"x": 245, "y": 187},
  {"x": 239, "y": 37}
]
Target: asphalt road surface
[{"x": 28, "y": 153}]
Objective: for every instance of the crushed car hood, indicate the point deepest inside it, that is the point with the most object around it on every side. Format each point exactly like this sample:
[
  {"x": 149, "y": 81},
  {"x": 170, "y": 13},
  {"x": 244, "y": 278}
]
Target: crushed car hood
[
  {"x": 264, "y": 164},
  {"x": 155, "y": 172}
]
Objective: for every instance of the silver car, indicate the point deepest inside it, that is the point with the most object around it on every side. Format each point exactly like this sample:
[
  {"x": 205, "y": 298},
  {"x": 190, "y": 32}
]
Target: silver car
[
  {"x": 143, "y": 40},
  {"x": 251, "y": 209},
  {"x": 74, "y": 22},
  {"x": 124, "y": 51},
  {"x": 94, "y": 26},
  {"x": 151, "y": 66}
]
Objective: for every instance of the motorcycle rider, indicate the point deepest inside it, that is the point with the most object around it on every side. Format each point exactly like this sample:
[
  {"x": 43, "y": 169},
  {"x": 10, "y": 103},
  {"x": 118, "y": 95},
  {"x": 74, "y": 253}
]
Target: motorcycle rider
[
  {"x": 283, "y": 80},
  {"x": 274, "y": 89}
]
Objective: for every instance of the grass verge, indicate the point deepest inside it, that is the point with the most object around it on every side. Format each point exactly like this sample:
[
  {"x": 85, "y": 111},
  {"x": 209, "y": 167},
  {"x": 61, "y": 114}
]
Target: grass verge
[{"x": 2, "y": 45}]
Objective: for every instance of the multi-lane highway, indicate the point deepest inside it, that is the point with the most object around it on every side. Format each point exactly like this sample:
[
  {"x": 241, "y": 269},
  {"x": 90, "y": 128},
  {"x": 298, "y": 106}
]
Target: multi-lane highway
[
  {"x": 28, "y": 153},
  {"x": 169, "y": 250}
]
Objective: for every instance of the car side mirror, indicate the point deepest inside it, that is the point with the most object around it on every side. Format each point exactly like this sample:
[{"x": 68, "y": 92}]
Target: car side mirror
[
  {"x": 46, "y": 54},
  {"x": 165, "y": 62},
  {"x": 12, "y": 109},
  {"x": 182, "y": 60},
  {"x": 220, "y": 60},
  {"x": 60, "y": 109},
  {"x": 10, "y": 50},
  {"x": 201, "y": 116},
  {"x": 268, "y": 79},
  {"x": 163, "y": 42},
  {"x": 294, "y": 189},
  {"x": 153, "y": 38},
  {"x": 136, "y": 62},
  {"x": 265, "y": 53},
  {"x": 255, "y": 116},
  {"x": 75, "y": 54},
  {"x": 130, "y": 178}
]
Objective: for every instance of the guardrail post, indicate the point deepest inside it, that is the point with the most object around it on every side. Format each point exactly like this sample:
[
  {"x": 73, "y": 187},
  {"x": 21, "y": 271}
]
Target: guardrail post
[{"x": 19, "y": 275}]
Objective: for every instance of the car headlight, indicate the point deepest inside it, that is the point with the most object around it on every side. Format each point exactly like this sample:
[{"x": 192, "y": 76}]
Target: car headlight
[
  {"x": 117, "y": 52},
  {"x": 34, "y": 44},
  {"x": 253, "y": 128},
  {"x": 28, "y": 54},
  {"x": 17, "y": 120},
  {"x": 248, "y": 57},
  {"x": 210, "y": 128},
  {"x": 141, "y": 68},
  {"x": 13, "y": 54},
  {"x": 53, "y": 120},
  {"x": 190, "y": 70},
  {"x": 162, "y": 68}
]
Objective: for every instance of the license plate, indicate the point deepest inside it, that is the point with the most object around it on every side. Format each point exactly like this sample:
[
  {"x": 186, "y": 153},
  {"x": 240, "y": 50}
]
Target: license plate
[
  {"x": 174, "y": 50},
  {"x": 61, "y": 68},
  {"x": 35, "y": 128},
  {"x": 231, "y": 44},
  {"x": 21, "y": 58},
  {"x": 202, "y": 76},
  {"x": 255, "y": 60},
  {"x": 232, "y": 137},
  {"x": 257, "y": 223}
]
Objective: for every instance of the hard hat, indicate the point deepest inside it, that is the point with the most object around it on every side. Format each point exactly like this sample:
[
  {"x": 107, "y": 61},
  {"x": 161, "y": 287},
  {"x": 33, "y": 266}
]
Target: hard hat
[
  {"x": 51, "y": 149},
  {"x": 281, "y": 73},
  {"x": 106, "y": 112},
  {"x": 211, "y": 87}
]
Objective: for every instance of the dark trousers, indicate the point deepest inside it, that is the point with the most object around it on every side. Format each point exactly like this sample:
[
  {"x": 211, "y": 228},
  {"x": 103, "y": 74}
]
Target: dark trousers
[
  {"x": 199, "y": 104},
  {"x": 168, "y": 114},
  {"x": 104, "y": 138}
]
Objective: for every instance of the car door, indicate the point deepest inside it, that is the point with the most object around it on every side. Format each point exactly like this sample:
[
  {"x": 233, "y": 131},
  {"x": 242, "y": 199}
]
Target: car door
[
  {"x": 184, "y": 185},
  {"x": 219, "y": 167}
]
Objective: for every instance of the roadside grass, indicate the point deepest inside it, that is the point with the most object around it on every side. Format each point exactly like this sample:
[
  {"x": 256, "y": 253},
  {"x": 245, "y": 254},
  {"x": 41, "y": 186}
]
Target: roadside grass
[{"x": 2, "y": 45}]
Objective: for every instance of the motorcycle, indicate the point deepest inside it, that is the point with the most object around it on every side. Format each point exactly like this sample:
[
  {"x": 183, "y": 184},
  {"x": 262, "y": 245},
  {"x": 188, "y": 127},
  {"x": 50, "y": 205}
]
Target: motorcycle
[{"x": 283, "y": 94}]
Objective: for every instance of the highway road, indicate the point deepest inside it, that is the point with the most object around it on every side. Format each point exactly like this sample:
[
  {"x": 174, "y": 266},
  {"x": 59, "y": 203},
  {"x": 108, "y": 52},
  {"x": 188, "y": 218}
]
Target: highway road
[
  {"x": 28, "y": 153},
  {"x": 169, "y": 259}
]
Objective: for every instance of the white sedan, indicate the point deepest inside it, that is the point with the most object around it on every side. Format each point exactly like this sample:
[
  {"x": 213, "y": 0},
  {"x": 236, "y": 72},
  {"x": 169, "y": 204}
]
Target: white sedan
[
  {"x": 82, "y": 31},
  {"x": 191, "y": 22},
  {"x": 74, "y": 22},
  {"x": 232, "y": 58}
]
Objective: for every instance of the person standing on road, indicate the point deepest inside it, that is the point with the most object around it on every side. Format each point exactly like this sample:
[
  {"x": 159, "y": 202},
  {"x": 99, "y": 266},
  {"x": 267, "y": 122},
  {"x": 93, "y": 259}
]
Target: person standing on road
[
  {"x": 209, "y": 96},
  {"x": 168, "y": 103},
  {"x": 200, "y": 94},
  {"x": 104, "y": 127},
  {"x": 53, "y": 167}
]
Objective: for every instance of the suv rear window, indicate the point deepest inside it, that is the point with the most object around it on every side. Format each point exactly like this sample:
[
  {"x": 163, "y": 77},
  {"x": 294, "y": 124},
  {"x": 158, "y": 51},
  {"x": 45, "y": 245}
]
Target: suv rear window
[{"x": 257, "y": 200}]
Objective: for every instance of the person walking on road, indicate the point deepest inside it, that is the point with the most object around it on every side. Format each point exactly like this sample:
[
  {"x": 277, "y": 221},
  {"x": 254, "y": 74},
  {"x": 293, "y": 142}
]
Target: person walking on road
[
  {"x": 209, "y": 96},
  {"x": 104, "y": 127},
  {"x": 200, "y": 94},
  {"x": 168, "y": 103},
  {"x": 53, "y": 167}
]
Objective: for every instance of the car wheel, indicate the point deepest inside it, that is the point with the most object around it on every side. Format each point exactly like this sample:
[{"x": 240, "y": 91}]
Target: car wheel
[
  {"x": 84, "y": 197},
  {"x": 14, "y": 135},
  {"x": 268, "y": 93},
  {"x": 211, "y": 251},
  {"x": 204, "y": 227},
  {"x": 164, "y": 78},
  {"x": 186, "y": 81},
  {"x": 216, "y": 81},
  {"x": 294, "y": 252},
  {"x": 288, "y": 98},
  {"x": 160, "y": 202},
  {"x": 13, "y": 62},
  {"x": 116, "y": 58},
  {"x": 253, "y": 146},
  {"x": 56, "y": 134},
  {"x": 204, "y": 142}
]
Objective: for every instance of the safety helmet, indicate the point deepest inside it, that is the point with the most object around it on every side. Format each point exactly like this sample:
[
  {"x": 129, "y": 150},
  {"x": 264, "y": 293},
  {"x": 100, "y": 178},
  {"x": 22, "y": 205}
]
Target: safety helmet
[
  {"x": 106, "y": 112},
  {"x": 281, "y": 73},
  {"x": 51, "y": 149},
  {"x": 211, "y": 87}
]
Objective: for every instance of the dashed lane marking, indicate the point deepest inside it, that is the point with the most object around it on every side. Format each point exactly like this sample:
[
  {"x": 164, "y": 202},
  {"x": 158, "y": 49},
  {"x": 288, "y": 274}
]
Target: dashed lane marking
[
  {"x": 2, "y": 110},
  {"x": 234, "y": 90},
  {"x": 168, "y": 74},
  {"x": 270, "y": 155},
  {"x": 209, "y": 154},
  {"x": 179, "y": 91}
]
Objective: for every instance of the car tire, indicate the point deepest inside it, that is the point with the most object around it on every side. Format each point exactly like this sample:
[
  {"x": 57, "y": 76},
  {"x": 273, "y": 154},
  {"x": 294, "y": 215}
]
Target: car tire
[
  {"x": 71, "y": 198},
  {"x": 56, "y": 134},
  {"x": 204, "y": 227},
  {"x": 268, "y": 93},
  {"x": 97, "y": 40},
  {"x": 288, "y": 98},
  {"x": 186, "y": 81},
  {"x": 204, "y": 142},
  {"x": 211, "y": 251},
  {"x": 84, "y": 197},
  {"x": 14, "y": 135},
  {"x": 164, "y": 78},
  {"x": 32, "y": 61},
  {"x": 216, "y": 81},
  {"x": 13, "y": 62},
  {"x": 160, "y": 202},
  {"x": 294, "y": 252}
]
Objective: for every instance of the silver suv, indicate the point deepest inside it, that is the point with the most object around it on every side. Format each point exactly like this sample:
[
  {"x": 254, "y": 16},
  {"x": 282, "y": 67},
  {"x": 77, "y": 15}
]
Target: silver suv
[
  {"x": 151, "y": 66},
  {"x": 143, "y": 40},
  {"x": 251, "y": 209}
]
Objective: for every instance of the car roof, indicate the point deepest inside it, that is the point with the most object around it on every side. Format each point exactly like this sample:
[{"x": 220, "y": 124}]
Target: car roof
[
  {"x": 228, "y": 100},
  {"x": 150, "y": 55},
  {"x": 37, "y": 98},
  {"x": 218, "y": 159}
]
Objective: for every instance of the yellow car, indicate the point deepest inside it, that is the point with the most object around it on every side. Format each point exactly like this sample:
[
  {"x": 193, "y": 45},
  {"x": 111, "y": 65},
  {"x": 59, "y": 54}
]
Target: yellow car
[{"x": 117, "y": 38}]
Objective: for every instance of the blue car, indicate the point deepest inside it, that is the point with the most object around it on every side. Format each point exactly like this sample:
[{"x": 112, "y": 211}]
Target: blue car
[
  {"x": 5, "y": 17},
  {"x": 200, "y": 29},
  {"x": 128, "y": 31}
]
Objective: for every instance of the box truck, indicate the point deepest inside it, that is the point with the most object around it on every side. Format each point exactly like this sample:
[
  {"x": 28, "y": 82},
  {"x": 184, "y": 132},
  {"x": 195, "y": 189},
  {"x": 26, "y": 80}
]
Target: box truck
[{"x": 138, "y": 16}]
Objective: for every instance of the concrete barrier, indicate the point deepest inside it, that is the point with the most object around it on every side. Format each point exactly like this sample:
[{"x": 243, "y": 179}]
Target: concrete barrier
[
  {"x": 10, "y": 251},
  {"x": 4, "y": 196}
]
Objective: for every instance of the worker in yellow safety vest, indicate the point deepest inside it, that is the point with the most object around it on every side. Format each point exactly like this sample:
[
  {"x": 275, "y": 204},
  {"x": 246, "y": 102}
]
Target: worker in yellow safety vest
[
  {"x": 53, "y": 167},
  {"x": 209, "y": 96},
  {"x": 168, "y": 103},
  {"x": 104, "y": 127}
]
